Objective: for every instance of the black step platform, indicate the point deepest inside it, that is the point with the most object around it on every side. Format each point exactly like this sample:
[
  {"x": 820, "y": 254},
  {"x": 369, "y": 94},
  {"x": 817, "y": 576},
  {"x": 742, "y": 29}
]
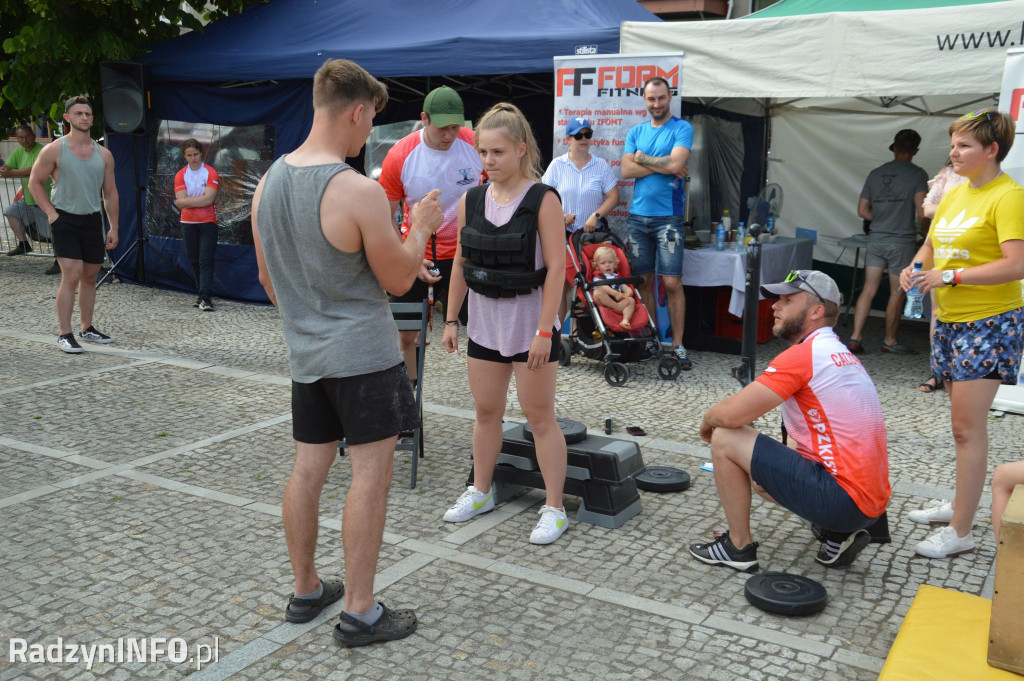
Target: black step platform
[{"x": 600, "y": 471}]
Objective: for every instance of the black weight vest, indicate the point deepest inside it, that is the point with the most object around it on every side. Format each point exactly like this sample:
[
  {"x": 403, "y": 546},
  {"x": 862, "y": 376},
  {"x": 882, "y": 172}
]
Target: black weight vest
[{"x": 500, "y": 260}]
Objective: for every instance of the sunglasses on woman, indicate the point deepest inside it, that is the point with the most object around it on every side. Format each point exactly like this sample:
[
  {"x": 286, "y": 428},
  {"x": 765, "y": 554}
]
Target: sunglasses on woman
[
  {"x": 580, "y": 135},
  {"x": 978, "y": 114}
]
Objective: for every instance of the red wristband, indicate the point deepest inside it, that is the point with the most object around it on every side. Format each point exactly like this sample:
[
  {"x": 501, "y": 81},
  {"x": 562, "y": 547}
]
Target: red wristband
[
  {"x": 543, "y": 334},
  {"x": 956, "y": 275}
]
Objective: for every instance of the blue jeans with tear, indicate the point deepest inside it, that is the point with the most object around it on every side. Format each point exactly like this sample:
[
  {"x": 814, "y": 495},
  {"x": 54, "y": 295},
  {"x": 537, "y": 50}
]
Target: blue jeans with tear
[{"x": 656, "y": 245}]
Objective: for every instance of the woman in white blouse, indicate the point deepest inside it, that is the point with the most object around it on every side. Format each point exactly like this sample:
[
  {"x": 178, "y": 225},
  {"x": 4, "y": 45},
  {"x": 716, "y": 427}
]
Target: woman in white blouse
[{"x": 585, "y": 182}]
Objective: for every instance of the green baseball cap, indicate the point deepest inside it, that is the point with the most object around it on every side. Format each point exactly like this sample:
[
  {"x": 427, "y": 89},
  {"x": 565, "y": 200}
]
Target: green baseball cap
[{"x": 444, "y": 106}]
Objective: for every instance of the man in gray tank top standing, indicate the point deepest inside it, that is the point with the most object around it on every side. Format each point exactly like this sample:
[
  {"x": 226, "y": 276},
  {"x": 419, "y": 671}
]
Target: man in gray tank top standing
[
  {"x": 83, "y": 173},
  {"x": 326, "y": 251}
]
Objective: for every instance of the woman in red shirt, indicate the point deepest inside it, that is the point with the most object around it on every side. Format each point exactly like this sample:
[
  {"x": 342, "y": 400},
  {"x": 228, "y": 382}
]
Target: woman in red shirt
[{"x": 195, "y": 190}]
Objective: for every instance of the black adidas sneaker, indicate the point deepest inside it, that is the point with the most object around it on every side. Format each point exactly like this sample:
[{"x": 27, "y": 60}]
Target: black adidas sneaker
[{"x": 722, "y": 552}]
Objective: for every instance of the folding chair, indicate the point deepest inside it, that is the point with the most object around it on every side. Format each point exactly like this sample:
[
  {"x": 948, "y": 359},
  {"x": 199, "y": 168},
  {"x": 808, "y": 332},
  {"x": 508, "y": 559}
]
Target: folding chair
[{"x": 414, "y": 317}]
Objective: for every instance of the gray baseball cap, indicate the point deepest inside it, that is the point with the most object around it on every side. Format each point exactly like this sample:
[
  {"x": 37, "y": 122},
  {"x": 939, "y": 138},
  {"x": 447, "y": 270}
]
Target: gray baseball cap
[{"x": 814, "y": 282}]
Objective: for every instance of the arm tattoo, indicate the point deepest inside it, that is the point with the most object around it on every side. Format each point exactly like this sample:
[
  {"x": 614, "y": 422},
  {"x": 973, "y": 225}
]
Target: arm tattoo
[{"x": 651, "y": 161}]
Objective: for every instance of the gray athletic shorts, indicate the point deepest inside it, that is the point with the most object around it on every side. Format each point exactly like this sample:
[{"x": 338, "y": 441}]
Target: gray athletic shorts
[
  {"x": 893, "y": 256},
  {"x": 20, "y": 210}
]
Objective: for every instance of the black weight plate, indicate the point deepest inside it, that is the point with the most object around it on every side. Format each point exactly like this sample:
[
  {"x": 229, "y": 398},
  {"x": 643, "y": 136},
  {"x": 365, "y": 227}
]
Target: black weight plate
[
  {"x": 574, "y": 431},
  {"x": 785, "y": 594},
  {"x": 662, "y": 479}
]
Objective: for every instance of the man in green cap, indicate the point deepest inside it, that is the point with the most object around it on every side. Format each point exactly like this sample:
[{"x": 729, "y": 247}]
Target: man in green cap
[{"x": 440, "y": 155}]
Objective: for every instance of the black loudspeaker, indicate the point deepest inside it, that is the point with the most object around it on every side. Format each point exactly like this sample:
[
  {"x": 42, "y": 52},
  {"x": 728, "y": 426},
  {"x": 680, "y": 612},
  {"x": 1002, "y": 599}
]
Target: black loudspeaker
[{"x": 125, "y": 90}]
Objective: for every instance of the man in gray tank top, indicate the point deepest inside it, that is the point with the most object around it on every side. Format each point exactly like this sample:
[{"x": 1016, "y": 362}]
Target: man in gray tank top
[
  {"x": 83, "y": 173},
  {"x": 326, "y": 251}
]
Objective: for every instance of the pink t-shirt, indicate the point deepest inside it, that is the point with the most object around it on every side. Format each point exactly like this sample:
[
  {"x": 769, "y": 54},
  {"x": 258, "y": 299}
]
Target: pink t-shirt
[
  {"x": 943, "y": 181},
  {"x": 507, "y": 325}
]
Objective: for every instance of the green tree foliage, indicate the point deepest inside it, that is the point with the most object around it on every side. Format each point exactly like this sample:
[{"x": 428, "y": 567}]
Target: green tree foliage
[{"x": 52, "y": 48}]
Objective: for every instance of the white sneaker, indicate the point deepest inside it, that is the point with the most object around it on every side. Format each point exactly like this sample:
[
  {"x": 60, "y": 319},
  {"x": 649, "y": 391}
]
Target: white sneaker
[
  {"x": 67, "y": 343},
  {"x": 472, "y": 503},
  {"x": 552, "y": 524},
  {"x": 937, "y": 513},
  {"x": 945, "y": 543}
]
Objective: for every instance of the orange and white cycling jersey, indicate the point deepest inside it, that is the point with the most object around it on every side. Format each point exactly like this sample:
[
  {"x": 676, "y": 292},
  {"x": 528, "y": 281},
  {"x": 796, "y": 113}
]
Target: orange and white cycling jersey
[
  {"x": 832, "y": 412},
  {"x": 411, "y": 169},
  {"x": 194, "y": 183}
]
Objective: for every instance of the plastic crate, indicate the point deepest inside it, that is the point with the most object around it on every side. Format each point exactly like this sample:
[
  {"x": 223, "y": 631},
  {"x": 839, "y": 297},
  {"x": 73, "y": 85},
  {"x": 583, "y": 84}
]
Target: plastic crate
[{"x": 730, "y": 326}]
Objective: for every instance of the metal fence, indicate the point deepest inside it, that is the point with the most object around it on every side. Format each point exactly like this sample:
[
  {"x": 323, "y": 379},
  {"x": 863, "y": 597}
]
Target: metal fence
[{"x": 38, "y": 235}]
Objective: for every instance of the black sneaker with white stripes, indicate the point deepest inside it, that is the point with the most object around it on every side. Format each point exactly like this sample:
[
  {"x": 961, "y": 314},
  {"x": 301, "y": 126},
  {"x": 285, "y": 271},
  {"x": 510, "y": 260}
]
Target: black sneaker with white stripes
[
  {"x": 68, "y": 344},
  {"x": 722, "y": 552},
  {"x": 839, "y": 550},
  {"x": 94, "y": 336}
]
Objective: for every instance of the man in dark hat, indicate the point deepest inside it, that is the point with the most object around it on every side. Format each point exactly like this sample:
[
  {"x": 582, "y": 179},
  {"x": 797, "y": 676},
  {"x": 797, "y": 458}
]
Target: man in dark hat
[
  {"x": 838, "y": 475},
  {"x": 892, "y": 199}
]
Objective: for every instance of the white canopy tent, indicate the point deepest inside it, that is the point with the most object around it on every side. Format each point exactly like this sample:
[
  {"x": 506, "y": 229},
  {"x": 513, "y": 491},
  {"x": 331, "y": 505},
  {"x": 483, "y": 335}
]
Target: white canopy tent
[{"x": 837, "y": 87}]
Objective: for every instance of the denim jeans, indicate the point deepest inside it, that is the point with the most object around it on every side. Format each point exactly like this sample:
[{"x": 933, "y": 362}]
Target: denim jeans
[
  {"x": 201, "y": 245},
  {"x": 656, "y": 245}
]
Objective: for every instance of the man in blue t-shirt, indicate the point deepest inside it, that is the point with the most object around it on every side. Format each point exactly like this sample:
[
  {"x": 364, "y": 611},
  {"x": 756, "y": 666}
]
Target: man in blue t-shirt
[{"x": 656, "y": 155}]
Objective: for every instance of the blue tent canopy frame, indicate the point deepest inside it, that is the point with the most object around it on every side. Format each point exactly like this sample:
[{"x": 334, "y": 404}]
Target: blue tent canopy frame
[
  {"x": 290, "y": 39},
  {"x": 256, "y": 68}
]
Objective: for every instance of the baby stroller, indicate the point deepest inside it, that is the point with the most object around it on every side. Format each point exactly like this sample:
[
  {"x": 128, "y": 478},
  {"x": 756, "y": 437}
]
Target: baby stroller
[{"x": 597, "y": 331}]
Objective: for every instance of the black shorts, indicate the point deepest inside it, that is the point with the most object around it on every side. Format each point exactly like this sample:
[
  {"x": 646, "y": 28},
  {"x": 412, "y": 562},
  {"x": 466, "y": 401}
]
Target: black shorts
[
  {"x": 419, "y": 292},
  {"x": 79, "y": 237},
  {"x": 805, "y": 487},
  {"x": 359, "y": 409},
  {"x": 477, "y": 351}
]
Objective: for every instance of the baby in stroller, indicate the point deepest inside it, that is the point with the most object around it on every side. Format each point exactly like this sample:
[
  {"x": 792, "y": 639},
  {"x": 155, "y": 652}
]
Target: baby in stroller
[
  {"x": 616, "y": 297},
  {"x": 597, "y": 310}
]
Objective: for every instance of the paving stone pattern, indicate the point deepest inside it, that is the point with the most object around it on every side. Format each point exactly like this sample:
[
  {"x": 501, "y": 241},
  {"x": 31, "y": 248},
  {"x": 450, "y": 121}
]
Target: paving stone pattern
[{"x": 141, "y": 485}]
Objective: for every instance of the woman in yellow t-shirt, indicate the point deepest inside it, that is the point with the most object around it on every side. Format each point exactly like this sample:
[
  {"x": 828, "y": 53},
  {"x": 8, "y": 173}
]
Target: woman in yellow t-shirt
[{"x": 974, "y": 261}]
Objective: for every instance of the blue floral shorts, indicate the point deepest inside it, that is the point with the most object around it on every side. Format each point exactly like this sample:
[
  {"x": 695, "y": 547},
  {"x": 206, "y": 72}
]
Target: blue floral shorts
[{"x": 986, "y": 348}]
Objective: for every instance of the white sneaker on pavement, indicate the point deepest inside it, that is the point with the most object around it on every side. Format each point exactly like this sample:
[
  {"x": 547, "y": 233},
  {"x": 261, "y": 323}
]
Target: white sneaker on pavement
[
  {"x": 946, "y": 543},
  {"x": 937, "y": 513},
  {"x": 470, "y": 504},
  {"x": 552, "y": 524}
]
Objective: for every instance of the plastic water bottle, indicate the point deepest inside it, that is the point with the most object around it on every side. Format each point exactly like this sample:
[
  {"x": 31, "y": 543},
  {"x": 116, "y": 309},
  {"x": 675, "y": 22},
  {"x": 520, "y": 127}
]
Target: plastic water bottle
[
  {"x": 720, "y": 237},
  {"x": 726, "y": 219},
  {"x": 741, "y": 237},
  {"x": 769, "y": 225},
  {"x": 914, "y": 309}
]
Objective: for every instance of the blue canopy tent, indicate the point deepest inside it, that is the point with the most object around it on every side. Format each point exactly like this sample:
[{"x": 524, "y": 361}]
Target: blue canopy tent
[{"x": 256, "y": 68}]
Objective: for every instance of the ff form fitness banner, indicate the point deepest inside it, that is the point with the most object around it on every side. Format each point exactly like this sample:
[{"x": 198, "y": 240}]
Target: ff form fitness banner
[
  {"x": 606, "y": 90},
  {"x": 1011, "y": 100}
]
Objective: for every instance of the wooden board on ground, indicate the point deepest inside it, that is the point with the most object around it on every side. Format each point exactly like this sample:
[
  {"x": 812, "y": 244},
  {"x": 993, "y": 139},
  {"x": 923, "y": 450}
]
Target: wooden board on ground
[{"x": 1006, "y": 636}]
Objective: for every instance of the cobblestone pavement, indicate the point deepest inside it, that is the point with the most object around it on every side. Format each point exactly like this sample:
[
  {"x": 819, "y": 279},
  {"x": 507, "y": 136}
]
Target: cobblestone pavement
[{"x": 141, "y": 485}]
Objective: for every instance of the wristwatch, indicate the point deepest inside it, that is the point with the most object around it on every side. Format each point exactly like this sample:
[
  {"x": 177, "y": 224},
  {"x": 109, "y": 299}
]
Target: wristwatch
[{"x": 949, "y": 277}]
